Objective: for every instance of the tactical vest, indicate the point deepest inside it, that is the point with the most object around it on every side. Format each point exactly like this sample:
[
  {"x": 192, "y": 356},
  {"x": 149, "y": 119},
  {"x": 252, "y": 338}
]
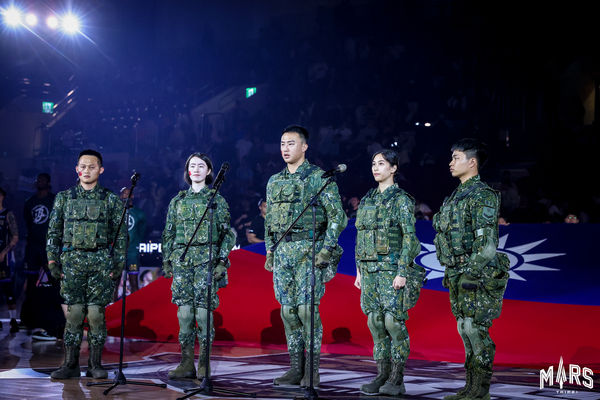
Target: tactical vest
[
  {"x": 455, "y": 225},
  {"x": 3, "y": 229},
  {"x": 378, "y": 230},
  {"x": 188, "y": 213},
  {"x": 288, "y": 197},
  {"x": 86, "y": 222}
]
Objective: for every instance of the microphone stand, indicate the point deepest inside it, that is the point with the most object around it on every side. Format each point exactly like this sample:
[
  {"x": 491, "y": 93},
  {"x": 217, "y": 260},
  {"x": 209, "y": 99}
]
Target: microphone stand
[
  {"x": 206, "y": 386},
  {"x": 119, "y": 376},
  {"x": 309, "y": 391}
]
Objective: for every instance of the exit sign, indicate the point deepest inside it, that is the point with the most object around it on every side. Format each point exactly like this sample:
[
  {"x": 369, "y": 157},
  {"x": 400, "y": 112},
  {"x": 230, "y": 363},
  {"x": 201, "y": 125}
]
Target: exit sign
[
  {"x": 250, "y": 91},
  {"x": 47, "y": 107}
]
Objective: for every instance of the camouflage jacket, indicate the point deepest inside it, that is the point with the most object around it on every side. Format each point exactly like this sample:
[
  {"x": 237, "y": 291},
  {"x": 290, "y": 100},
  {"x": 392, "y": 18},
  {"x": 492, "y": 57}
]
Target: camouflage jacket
[
  {"x": 183, "y": 215},
  {"x": 385, "y": 225},
  {"x": 86, "y": 220},
  {"x": 288, "y": 194},
  {"x": 467, "y": 227}
]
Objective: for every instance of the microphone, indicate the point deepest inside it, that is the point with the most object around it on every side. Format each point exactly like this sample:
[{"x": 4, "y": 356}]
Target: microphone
[
  {"x": 135, "y": 176},
  {"x": 221, "y": 175},
  {"x": 337, "y": 170}
]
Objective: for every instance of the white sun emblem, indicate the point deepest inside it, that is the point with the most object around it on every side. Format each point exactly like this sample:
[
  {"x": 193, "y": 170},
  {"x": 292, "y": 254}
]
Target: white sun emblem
[{"x": 519, "y": 261}]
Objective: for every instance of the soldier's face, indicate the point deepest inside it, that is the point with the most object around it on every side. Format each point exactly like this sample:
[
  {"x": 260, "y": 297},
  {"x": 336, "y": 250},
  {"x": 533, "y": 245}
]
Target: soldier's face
[
  {"x": 460, "y": 165},
  {"x": 198, "y": 170},
  {"x": 88, "y": 168},
  {"x": 382, "y": 170},
  {"x": 292, "y": 147}
]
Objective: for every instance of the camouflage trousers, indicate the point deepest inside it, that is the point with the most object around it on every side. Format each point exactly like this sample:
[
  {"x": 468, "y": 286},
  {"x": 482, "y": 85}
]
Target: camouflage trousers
[
  {"x": 190, "y": 286},
  {"x": 86, "y": 288},
  {"x": 87, "y": 277},
  {"x": 474, "y": 311},
  {"x": 385, "y": 315},
  {"x": 292, "y": 265}
]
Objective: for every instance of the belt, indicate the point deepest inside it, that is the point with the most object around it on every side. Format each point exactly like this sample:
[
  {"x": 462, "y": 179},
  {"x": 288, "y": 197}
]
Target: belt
[
  {"x": 295, "y": 236},
  {"x": 68, "y": 247}
]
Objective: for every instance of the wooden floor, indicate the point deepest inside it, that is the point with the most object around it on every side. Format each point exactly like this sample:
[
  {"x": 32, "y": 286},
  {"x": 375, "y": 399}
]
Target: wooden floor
[{"x": 25, "y": 366}]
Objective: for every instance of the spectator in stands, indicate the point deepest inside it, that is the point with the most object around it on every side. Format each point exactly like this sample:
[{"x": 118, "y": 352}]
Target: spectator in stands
[{"x": 256, "y": 232}]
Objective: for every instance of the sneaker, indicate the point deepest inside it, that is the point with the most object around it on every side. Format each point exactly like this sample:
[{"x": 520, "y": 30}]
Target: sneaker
[
  {"x": 14, "y": 326},
  {"x": 42, "y": 335}
]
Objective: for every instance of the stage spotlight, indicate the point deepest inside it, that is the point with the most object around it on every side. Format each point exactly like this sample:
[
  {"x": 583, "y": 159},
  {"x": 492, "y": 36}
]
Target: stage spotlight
[
  {"x": 427, "y": 124},
  {"x": 31, "y": 19},
  {"x": 70, "y": 24},
  {"x": 52, "y": 22},
  {"x": 12, "y": 16}
]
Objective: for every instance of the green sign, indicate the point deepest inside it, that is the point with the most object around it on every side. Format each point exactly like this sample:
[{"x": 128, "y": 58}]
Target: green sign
[
  {"x": 47, "y": 107},
  {"x": 250, "y": 91}
]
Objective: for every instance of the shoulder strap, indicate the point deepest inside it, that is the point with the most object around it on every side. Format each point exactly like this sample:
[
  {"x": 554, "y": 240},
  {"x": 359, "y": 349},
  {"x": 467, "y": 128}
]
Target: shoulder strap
[{"x": 476, "y": 185}]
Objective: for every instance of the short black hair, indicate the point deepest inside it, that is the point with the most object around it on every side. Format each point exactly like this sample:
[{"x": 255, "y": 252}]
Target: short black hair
[
  {"x": 90, "y": 152},
  {"x": 203, "y": 157},
  {"x": 472, "y": 148},
  {"x": 44, "y": 175},
  {"x": 390, "y": 156},
  {"x": 300, "y": 130}
]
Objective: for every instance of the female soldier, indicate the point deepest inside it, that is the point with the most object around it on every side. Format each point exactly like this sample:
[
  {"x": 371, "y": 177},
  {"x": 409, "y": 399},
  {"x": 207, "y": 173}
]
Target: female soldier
[
  {"x": 386, "y": 245},
  {"x": 189, "y": 277}
]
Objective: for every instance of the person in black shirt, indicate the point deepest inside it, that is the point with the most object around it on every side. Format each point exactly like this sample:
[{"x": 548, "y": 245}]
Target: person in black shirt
[{"x": 256, "y": 232}]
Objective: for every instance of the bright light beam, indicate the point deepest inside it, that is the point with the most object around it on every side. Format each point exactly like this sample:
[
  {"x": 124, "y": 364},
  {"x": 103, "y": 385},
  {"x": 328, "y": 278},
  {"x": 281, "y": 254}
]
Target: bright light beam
[
  {"x": 31, "y": 19},
  {"x": 52, "y": 22},
  {"x": 70, "y": 24},
  {"x": 12, "y": 16}
]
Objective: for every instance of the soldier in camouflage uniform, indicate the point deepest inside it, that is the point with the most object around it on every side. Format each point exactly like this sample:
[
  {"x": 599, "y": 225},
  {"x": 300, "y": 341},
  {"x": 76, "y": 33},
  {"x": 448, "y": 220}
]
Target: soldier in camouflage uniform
[
  {"x": 189, "y": 277},
  {"x": 83, "y": 224},
  {"x": 476, "y": 274},
  {"x": 390, "y": 282},
  {"x": 288, "y": 192}
]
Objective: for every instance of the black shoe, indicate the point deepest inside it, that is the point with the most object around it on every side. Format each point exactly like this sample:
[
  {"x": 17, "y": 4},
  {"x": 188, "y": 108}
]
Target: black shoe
[{"x": 14, "y": 326}]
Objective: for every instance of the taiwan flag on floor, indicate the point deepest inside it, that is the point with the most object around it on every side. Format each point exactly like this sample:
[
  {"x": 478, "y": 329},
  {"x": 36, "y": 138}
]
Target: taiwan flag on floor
[{"x": 551, "y": 307}]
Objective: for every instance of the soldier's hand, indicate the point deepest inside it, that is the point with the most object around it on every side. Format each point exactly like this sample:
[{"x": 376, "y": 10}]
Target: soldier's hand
[
  {"x": 55, "y": 270},
  {"x": 399, "y": 282},
  {"x": 468, "y": 282},
  {"x": 269, "y": 262},
  {"x": 219, "y": 270},
  {"x": 357, "y": 280},
  {"x": 168, "y": 274},
  {"x": 323, "y": 257}
]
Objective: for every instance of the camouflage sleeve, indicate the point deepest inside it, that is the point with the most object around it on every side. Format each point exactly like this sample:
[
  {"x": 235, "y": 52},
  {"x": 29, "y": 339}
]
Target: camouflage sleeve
[
  {"x": 336, "y": 217},
  {"x": 115, "y": 206},
  {"x": 168, "y": 235},
  {"x": 410, "y": 246},
  {"x": 484, "y": 214},
  {"x": 55, "y": 228},
  {"x": 268, "y": 237},
  {"x": 226, "y": 236}
]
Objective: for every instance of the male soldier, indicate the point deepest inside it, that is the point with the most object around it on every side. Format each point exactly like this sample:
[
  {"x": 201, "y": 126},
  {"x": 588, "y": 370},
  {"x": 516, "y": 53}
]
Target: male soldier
[
  {"x": 83, "y": 224},
  {"x": 288, "y": 192},
  {"x": 476, "y": 274}
]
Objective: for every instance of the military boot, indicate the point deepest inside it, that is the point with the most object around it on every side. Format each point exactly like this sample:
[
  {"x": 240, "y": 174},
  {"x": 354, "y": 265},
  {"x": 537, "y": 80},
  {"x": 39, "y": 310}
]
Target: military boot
[
  {"x": 394, "y": 386},
  {"x": 294, "y": 375},
  {"x": 316, "y": 377},
  {"x": 383, "y": 372},
  {"x": 480, "y": 388},
  {"x": 95, "y": 369},
  {"x": 461, "y": 394},
  {"x": 202, "y": 364},
  {"x": 70, "y": 366},
  {"x": 186, "y": 368}
]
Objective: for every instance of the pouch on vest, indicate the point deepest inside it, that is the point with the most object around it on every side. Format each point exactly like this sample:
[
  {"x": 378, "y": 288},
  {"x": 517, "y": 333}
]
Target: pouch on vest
[{"x": 366, "y": 248}]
